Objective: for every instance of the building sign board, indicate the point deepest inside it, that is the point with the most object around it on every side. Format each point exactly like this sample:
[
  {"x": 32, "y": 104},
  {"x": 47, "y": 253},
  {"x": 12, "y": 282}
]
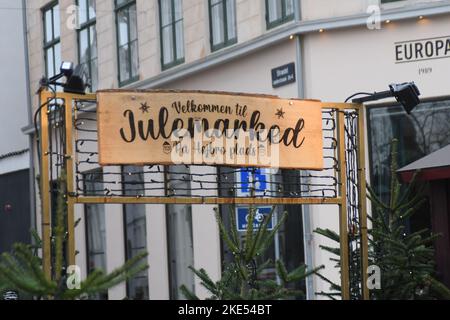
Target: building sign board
[
  {"x": 242, "y": 216},
  {"x": 283, "y": 75},
  {"x": 422, "y": 49},
  {"x": 180, "y": 127},
  {"x": 253, "y": 182}
]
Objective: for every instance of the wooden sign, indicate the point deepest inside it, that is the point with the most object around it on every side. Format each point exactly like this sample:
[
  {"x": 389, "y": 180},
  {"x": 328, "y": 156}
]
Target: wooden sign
[{"x": 214, "y": 128}]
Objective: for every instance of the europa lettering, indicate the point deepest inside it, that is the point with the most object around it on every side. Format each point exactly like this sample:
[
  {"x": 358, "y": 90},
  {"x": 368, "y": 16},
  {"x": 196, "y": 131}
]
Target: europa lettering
[
  {"x": 161, "y": 128},
  {"x": 416, "y": 50}
]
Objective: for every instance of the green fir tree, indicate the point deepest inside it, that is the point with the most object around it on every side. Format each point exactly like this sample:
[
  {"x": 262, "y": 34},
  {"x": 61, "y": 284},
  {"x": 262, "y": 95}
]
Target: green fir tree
[
  {"x": 406, "y": 260},
  {"x": 242, "y": 278},
  {"x": 21, "y": 269}
]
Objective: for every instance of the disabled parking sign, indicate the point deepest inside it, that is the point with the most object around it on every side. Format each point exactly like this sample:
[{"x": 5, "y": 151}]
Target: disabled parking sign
[{"x": 243, "y": 213}]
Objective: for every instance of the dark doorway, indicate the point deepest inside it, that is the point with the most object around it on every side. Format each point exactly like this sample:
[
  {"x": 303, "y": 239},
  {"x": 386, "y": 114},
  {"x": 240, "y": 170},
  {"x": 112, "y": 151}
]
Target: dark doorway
[{"x": 15, "y": 216}]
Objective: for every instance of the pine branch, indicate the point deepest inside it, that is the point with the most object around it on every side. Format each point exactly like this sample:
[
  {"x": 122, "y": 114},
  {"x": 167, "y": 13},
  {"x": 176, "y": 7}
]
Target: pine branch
[{"x": 187, "y": 293}]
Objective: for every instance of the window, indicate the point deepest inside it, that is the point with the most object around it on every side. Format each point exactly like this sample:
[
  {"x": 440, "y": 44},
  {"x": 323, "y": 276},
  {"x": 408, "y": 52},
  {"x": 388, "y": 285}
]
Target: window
[
  {"x": 427, "y": 129},
  {"x": 135, "y": 230},
  {"x": 87, "y": 40},
  {"x": 279, "y": 12},
  {"x": 222, "y": 23},
  {"x": 180, "y": 238},
  {"x": 127, "y": 43},
  {"x": 171, "y": 32},
  {"x": 288, "y": 243},
  {"x": 52, "y": 46},
  {"x": 95, "y": 226}
]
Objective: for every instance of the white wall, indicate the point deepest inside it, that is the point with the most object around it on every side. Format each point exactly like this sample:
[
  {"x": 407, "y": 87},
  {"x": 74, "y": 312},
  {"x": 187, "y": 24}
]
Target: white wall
[
  {"x": 343, "y": 62},
  {"x": 13, "y": 80}
]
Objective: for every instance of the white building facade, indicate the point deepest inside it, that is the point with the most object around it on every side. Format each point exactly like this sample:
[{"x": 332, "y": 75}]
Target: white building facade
[
  {"x": 15, "y": 203},
  {"x": 338, "y": 47}
]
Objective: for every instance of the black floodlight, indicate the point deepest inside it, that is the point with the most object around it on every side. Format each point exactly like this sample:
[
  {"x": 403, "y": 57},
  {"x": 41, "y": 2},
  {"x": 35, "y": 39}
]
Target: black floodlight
[
  {"x": 407, "y": 94},
  {"x": 76, "y": 83},
  {"x": 76, "y": 78},
  {"x": 66, "y": 68}
]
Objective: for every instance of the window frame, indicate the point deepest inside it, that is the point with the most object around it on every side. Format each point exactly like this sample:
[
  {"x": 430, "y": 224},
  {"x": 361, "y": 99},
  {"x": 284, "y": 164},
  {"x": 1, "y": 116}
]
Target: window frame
[
  {"x": 128, "y": 254},
  {"x": 175, "y": 62},
  {"x": 99, "y": 171},
  {"x": 227, "y": 41},
  {"x": 87, "y": 26},
  {"x": 125, "y": 6},
  {"x": 283, "y": 19},
  {"x": 54, "y": 41}
]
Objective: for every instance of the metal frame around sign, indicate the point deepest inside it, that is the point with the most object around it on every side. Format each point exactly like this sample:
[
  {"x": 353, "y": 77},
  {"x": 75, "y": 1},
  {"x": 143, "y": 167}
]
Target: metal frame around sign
[{"x": 73, "y": 198}]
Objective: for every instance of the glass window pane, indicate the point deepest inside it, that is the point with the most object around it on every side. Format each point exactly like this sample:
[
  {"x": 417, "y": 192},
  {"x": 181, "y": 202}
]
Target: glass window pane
[
  {"x": 423, "y": 132},
  {"x": 84, "y": 45},
  {"x": 180, "y": 241},
  {"x": 48, "y": 26},
  {"x": 95, "y": 223},
  {"x": 56, "y": 21},
  {"x": 167, "y": 35},
  {"x": 94, "y": 75},
  {"x": 231, "y": 19},
  {"x": 124, "y": 65},
  {"x": 122, "y": 21},
  {"x": 179, "y": 39},
  {"x": 95, "y": 219},
  {"x": 92, "y": 9},
  {"x": 178, "y": 4},
  {"x": 134, "y": 59},
  {"x": 274, "y": 10},
  {"x": 93, "y": 41},
  {"x": 136, "y": 230},
  {"x": 57, "y": 57},
  {"x": 133, "y": 23},
  {"x": 120, "y": 2},
  {"x": 82, "y": 11},
  {"x": 217, "y": 24},
  {"x": 166, "y": 12},
  {"x": 289, "y": 7},
  {"x": 50, "y": 62}
]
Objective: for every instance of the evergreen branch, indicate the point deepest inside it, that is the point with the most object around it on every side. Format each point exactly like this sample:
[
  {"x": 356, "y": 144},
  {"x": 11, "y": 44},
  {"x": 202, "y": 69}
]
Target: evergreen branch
[
  {"x": 188, "y": 294},
  {"x": 225, "y": 236},
  {"x": 330, "y": 234}
]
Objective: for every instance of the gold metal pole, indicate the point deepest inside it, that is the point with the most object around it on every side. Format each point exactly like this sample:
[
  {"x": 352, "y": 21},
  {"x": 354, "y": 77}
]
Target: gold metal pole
[
  {"x": 343, "y": 229},
  {"x": 70, "y": 183},
  {"x": 45, "y": 188},
  {"x": 362, "y": 207},
  {"x": 205, "y": 200}
]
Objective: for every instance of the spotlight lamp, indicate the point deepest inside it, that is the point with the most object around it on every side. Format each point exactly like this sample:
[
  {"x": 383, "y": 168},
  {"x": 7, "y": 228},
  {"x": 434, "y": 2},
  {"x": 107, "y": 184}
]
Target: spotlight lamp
[
  {"x": 76, "y": 78},
  {"x": 77, "y": 81},
  {"x": 66, "y": 68},
  {"x": 407, "y": 94}
]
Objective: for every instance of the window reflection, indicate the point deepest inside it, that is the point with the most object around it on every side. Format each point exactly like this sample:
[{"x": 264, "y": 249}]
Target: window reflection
[
  {"x": 135, "y": 230},
  {"x": 427, "y": 129}
]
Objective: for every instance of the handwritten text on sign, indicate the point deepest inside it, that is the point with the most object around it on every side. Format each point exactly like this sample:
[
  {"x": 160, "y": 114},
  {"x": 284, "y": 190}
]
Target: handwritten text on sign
[{"x": 170, "y": 127}]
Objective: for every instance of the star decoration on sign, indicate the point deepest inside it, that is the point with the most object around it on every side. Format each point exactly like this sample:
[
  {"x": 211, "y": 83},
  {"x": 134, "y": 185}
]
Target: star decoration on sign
[
  {"x": 280, "y": 113},
  {"x": 144, "y": 107}
]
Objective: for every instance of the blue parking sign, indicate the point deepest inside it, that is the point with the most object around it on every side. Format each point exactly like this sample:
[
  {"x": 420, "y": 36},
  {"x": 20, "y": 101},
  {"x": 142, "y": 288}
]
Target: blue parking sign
[
  {"x": 242, "y": 214},
  {"x": 243, "y": 181}
]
